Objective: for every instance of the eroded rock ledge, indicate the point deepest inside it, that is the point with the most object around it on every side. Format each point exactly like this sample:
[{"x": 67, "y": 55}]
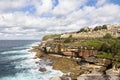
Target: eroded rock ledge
[
  {"x": 81, "y": 58},
  {"x": 78, "y": 69}
]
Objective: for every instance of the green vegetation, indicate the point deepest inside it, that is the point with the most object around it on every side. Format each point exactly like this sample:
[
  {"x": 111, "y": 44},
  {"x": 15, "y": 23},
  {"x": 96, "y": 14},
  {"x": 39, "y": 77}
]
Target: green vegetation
[
  {"x": 107, "y": 36},
  {"x": 117, "y": 57},
  {"x": 84, "y": 30},
  {"x": 51, "y": 36},
  {"x": 117, "y": 64},
  {"x": 111, "y": 47},
  {"x": 69, "y": 39},
  {"x": 115, "y": 47},
  {"x": 92, "y": 43},
  {"x": 100, "y": 27},
  {"x": 105, "y": 55},
  {"x": 87, "y": 29},
  {"x": 104, "y": 27},
  {"x": 108, "y": 46},
  {"x": 118, "y": 37},
  {"x": 97, "y": 28},
  {"x": 109, "y": 56}
]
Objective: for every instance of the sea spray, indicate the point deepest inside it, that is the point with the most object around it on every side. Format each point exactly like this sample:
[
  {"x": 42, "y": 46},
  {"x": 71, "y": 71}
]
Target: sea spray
[{"x": 18, "y": 64}]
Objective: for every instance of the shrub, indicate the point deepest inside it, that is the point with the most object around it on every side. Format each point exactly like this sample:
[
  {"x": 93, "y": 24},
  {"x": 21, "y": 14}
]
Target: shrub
[
  {"x": 105, "y": 47},
  {"x": 105, "y": 55},
  {"x": 83, "y": 30},
  {"x": 104, "y": 27},
  {"x": 107, "y": 36},
  {"x": 69, "y": 39},
  {"x": 118, "y": 37},
  {"x": 92, "y": 43},
  {"x": 97, "y": 28},
  {"x": 116, "y": 47}
]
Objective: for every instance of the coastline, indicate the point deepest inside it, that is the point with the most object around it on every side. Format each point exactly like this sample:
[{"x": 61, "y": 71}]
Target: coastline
[
  {"x": 72, "y": 70},
  {"x": 59, "y": 63},
  {"x": 82, "y": 57}
]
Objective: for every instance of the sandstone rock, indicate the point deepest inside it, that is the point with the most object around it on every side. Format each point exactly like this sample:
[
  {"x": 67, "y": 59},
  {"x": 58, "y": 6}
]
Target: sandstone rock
[
  {"x": 81, "y": 78},
  {"x": 113, "y": 72},
  {"x": 102, "y": 69},
  {"x": 39, "y": 54},
  {"x": 92, "y": 59},
  {"x": 90, "y": 77},
  {"x": 97, "y": 77},
  {"x": 114, "y": 78}
]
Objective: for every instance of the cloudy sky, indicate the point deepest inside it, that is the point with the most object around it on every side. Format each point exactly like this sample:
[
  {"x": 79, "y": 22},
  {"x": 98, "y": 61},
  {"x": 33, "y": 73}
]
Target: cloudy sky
[{"x": 31, "y": 19}]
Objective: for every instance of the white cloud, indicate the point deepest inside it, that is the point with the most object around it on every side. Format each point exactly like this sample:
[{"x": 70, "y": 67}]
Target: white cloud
[
  {"x": 106, "y": 14},
  {"x": 67, "y": 6},
  {"x": 67, "y": 16},
  {"x": 12, "y": 4},
  {"x": 43, "y": 6}
]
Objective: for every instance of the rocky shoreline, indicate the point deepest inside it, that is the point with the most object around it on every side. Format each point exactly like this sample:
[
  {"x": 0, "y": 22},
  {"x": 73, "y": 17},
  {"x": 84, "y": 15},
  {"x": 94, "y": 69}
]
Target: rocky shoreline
[
  {"x": 81, "y": 58},
  {"x": 59, "y": 63},
  {"x": 78, "y": 69}
]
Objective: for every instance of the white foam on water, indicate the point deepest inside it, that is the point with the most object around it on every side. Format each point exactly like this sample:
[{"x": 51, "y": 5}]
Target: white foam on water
[
  {"x": 33, "y": 75},
  {"x": 15, "y": 51},
  {"x": 31, "y": 71},
  {"x": 27, "y": 46},
  {"x": 28, "y": 63},
  {"x": 13, "y": 57},
  {"x": 34, "y": 44}
]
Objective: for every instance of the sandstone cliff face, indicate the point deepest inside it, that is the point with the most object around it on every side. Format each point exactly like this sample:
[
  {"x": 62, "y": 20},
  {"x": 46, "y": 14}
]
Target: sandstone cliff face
[{"x": 80, "y": 62}]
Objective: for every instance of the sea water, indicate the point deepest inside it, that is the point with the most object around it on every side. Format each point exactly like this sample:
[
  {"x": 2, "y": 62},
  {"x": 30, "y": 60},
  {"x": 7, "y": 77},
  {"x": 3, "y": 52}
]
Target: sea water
[{"x": 16, "y": 63}]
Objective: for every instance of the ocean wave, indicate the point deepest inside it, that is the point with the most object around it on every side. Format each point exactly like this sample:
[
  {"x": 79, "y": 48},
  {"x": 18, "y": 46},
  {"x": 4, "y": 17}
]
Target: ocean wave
[
  {"x": 29, "y": 69},
  {"x": 32, "y": 72},
  {"x": 15, "y": 51}
]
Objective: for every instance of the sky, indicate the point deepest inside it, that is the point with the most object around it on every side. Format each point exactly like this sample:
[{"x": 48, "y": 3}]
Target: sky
[{"x": 32, "y": 19}]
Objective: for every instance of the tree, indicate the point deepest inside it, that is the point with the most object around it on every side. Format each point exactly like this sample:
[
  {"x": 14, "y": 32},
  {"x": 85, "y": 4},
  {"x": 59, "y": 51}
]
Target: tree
[
  {"x": 83, "y": 30},
  {"x": 69, "y": 39},
  {"x": 104, "y": 27},
  {"x": 116, "y": 47},
  {"x": 118, "y": 38},
  {"x": 106, "y": 47},
  {"x": 97, "y": 28},
  {"x": 107, "y": 36}
]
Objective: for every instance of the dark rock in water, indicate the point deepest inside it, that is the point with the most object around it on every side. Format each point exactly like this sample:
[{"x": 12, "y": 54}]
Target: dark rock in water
[
  {"x": 59, "y": 78},
  {"x": 67, "y": 78},
  {"x": 37, "y": 62},
  {"x": 55, "y": 78},
  {"x": 42, "y": 69},
  {"x": 44, "y": 61}
]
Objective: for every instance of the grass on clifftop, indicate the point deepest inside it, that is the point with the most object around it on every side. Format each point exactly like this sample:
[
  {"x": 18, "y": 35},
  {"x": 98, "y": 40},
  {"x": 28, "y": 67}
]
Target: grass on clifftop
[
  {"x": 105, "y": 55},
  {"x": 109, "y": 56},
  {"x": 51, "y": 36},
  {"x": 92, "y": 43}
]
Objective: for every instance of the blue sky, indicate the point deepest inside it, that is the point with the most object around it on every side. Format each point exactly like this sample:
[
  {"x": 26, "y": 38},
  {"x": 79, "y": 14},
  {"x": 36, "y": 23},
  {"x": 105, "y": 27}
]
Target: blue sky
[
  {"x": 32, "y": 19},
  {"x": 115, "y": 1}
]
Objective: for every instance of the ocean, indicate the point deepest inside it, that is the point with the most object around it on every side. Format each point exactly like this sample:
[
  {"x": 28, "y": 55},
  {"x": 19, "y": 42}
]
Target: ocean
[{"x": 16, "y": 63}]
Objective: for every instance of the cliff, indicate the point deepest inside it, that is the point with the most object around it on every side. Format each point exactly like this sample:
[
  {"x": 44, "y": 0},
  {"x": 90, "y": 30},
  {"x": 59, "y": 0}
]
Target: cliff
[{"x": 79, "y": 53}]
